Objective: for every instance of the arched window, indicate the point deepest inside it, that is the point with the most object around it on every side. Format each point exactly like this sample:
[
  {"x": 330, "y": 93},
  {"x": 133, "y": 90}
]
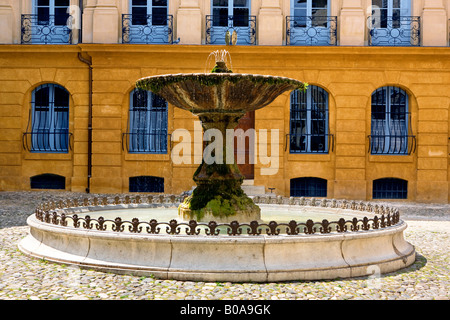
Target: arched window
[
  {"x": 146, "y": 184},
  {"x": 390, "y": 122},
  {"x": 148, "y": 123},
  {"x": 309, "y": 121},
  {"x": 49, "y": 119},
  {"x": 390, "y": 188},
  {"x": 308, "y": 187},
  {"x": 48, "y": 181}
]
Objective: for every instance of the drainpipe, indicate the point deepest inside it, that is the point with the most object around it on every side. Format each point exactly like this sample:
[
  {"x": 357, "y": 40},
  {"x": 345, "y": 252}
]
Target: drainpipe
[
  {"x": 89, "y": 165},
  {"x": 80, "y": 32}
]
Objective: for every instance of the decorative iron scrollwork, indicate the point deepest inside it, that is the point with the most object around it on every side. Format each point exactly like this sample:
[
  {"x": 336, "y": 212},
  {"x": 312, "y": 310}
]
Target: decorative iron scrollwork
[
  {"x": 36, "y": 30},
  {"x": 394, "y": 31},
  {"x": 246, "y": 32},
  {"x": 311, "y": 30},
  {"x": 384, "y": 217},
  {"x": 147, "y": 29}
]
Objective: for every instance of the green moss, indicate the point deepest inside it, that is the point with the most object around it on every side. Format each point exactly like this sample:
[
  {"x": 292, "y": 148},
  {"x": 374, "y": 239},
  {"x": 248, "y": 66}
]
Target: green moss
[
  {"x": 155, "y": 84},
  {"x": 220, "y": 206},
  {"x": 218, "y": 69}
]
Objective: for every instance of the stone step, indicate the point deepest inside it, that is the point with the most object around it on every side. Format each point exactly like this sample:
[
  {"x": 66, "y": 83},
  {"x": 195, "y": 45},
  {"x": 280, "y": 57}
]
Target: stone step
[{"x": 254, "y": 190}]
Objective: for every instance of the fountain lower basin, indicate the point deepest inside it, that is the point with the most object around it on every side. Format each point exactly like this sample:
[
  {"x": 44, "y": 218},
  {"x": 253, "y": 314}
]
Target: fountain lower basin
[{"x": 239, "y": 253}]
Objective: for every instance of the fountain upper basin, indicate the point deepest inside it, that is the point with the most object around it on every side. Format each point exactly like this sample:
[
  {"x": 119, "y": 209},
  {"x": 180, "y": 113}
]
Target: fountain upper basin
[{"x": 218, "y": 92}]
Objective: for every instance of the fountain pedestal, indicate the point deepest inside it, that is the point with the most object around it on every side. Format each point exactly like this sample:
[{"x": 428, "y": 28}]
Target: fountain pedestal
[{"x": 219, "y": 195}]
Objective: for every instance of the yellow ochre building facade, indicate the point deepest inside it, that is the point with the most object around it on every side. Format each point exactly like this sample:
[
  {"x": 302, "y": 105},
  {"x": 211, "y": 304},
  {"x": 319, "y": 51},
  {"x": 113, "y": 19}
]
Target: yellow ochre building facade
[{"x": 373, "y": 124}]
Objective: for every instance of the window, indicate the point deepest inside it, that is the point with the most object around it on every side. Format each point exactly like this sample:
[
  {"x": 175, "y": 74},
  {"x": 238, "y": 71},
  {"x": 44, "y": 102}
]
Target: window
[
  {"x": 48, "y": 24},
  {"x": 310, "y": 12},
  {"x": 309, "y": 121},
  {"x": 48, "y": 181},
  {"x": 141, "y": 9},
  {"x": 52, "y": 9},
  {"x": 146, "y": 184},
  {"x": 148, "y": 22},
  {"x": 390, "y": 119},
  {"x": 232, "y": 16},
  {"x": 390, "y": 188},
  {"x": 310, "y": 23},
  {"x": 308, "y": 187},
  {"x": 148, "y": 123},
  {"x": 391, "y": 24},
  {"x": 50, "y": 119},
  {"x": 239, "y": 10}
]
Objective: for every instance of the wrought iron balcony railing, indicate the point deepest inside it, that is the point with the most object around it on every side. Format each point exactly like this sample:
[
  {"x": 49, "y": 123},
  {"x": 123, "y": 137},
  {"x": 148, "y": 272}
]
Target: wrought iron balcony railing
[
  {"x": 392, "y": 144},
  {"x": 146, "y": 142},
  {"x": 311, "y": 31},
  {"x": 47, "y": 141},
  {"x": 394, "y": 31},
  {"x": 147, "y": 29},
  {"x": 245, "y": 27},
  {"x": 46, "y": 29},
  {"x": 309, "y": 143}
]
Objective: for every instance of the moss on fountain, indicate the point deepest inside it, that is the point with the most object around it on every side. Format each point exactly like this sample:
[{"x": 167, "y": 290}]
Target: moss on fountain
[
  {"x": 156, "y": 83},
  {"x": 222, "y": 207}
]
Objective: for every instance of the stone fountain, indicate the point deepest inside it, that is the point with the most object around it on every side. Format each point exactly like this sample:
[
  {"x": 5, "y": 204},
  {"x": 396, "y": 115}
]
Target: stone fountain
[
  {"x": 219, "y": 99},
  {"x": 363, "y": 239}
]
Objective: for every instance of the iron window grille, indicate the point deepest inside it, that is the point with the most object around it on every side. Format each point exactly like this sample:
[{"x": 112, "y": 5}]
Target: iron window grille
[
  {"x": 48, "y": 181},
  {"x": 394, "y": 30},
  {"x": 48, "y": 124},
  {"x": 308, "y": 187},
  {"x": 147, "y": 131},
  {"x": 217, "y": 27},
  {"x": 311, "y": 30},
  {"x": 147, "y": 29},
  {"x": 309, "y": 122},
  {"x": 390, "y": 188},
  {"x": 391, "y": 123},
  {"x": 146, "y": 184}
]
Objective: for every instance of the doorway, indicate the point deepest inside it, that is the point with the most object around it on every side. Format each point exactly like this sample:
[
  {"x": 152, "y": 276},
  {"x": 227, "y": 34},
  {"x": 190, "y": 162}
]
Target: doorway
[{"x": 247, "y": 168}]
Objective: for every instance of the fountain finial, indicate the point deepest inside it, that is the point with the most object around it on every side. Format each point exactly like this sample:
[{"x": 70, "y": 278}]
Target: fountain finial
[{"x": 221, "y": 59}]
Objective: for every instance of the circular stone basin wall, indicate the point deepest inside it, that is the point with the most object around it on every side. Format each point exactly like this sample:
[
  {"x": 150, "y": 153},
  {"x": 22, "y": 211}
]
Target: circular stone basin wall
[{"x": 366, "y": 236}]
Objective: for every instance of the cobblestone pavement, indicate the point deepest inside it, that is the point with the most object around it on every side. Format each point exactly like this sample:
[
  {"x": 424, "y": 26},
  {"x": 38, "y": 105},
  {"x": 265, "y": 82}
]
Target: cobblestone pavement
[{"x": 22, "y": 277}]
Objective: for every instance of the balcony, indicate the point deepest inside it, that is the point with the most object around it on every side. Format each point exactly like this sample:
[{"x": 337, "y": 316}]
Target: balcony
[
  {"x": 217, "y": 27},
  {"x": 147, "y": 29},
  {"x": 394, "y": 31},
  {"x": 45, "y": 29},
  {"x": 311, "y": 31}
]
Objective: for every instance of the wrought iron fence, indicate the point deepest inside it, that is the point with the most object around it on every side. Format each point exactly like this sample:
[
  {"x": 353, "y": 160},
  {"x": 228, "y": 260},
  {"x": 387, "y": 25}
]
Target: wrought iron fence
[
  {"x": 245, "y": 29},
  {"x": 48, "y": 213},
  {"x": 48, "y": 29},
  {"x": 394, "y": 31},
  {"x": 147, "y": 29},
  {"x": 311, "y": 30}
]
